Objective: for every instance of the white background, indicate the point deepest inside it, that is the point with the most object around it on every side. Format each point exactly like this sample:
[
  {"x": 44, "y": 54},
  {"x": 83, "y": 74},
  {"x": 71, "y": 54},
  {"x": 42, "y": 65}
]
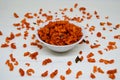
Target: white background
[{"x": 103, "y": 7}]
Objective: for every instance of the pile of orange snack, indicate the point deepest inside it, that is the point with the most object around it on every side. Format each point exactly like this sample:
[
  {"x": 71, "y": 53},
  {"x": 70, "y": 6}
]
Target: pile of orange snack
[{"x": 60, "y": 33}]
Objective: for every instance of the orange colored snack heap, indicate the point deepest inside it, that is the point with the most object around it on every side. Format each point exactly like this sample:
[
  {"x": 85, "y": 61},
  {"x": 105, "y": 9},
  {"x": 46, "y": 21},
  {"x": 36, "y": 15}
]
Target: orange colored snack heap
[
  {"x": 46, "y": 61},
  {"x": 60, "y": 33},
  {"x": 54, "y": 73}
]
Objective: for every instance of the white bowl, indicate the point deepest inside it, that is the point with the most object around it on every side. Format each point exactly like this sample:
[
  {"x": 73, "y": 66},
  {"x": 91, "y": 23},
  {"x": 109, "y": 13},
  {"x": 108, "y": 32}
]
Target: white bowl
[{"x": 64, "y": 48}]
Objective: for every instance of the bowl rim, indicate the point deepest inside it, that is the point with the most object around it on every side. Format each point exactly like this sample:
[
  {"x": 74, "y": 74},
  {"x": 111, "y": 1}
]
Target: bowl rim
[{"x": 61, "y": 45}]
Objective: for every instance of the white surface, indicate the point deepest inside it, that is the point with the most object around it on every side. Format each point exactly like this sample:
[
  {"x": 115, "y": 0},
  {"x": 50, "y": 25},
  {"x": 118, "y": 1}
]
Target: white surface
[{"x": 104, "y": 8}]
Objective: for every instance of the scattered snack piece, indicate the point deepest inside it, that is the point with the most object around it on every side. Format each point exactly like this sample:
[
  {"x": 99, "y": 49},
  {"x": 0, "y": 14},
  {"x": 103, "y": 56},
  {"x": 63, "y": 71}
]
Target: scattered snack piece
[
  {"x": 33, "y": 36},
  {"x": 111, "y": 45},
  {"x": 82, "y": 9},
  {"x": 8, "y": 39},
  {"x": 90, "y": 55},
  {"x": 100, "y": 52},
  {"x": 100, "y": 70},
  {"x": 99, "y": 34},
  {"x": 68, "y": 71},
  {"x": 4, "y": 45},
  {"x": 44, "y": 74},
  {"x": 78, "y": 74},
  {"x": 10, "y": 65},
  {"x": 62, "y": 77},
  {"x": 117, "y": 26},
  {"x": 92, "y": 76},
  {"x": 22, "y": 72},
  {"x": 33, "y": 55},
  {"x": 30, "y": 72},
  {"x": 75, "y": 5},
  {"x": 26, "y": 54},
  {"x": 80, "y": 52},
  {"x": 24, "y": 45},
  {"x": 26, "y": 34},
  {"x": 16, "y": 63},
  {"x": 1, "y": 33},
  {"x": 92, "y": 28},
  {"x": 94, "y": 46},
  {"x": 53, "y": 74},
  {"x": 94, "y": 69},
  {"x": 46, "y": 61},
  {"x": 15, "y": 15},
  {"x": 109, "y": 23},
  {"x": 69, "y": 63},
  {"x": 91, "y": 60},
  {"x": 111, "y": 73},
  {"x": 28, "y": 15},
  {"x": 27, "y": 64},
  {"x": 112, "y": 76},
  {"x": 71, "y": 9},
  {"x": 102, "y": 23},
  {"x": 12, "y": 58},
  {"x": 117, "y": 37},
  {"x": 36, "y": 44},
  {"x": 16, "y": 24},
  {"x": 81, "y": 58},
  {"x": 18, "y": 34},
  {"x": 13, "y": 46},
  {"x": 106, "y": 61}
]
